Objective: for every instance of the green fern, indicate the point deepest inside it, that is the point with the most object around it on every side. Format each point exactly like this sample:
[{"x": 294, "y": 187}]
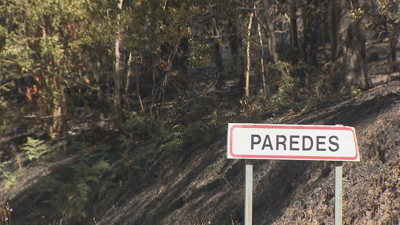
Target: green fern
[
  {"x": 35, "y": 148},
  {"x": 70, "y": 199},
  {"x": 108, "y": 189},
  {"x": 10, "y": 180},
  {"x": 100, "y": 167}
]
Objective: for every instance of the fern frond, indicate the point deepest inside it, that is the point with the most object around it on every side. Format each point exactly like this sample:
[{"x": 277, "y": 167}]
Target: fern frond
[
  {"x": 100, "y": 167},
  {"x": 91, "y": 179},
  {"x": 35, "y": 148}
]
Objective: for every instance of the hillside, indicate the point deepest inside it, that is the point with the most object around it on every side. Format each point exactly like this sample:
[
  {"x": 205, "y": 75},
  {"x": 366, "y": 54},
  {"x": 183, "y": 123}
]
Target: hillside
[
  {"x": 153, "y": 182},
  {"x": 116, "y": 112}
]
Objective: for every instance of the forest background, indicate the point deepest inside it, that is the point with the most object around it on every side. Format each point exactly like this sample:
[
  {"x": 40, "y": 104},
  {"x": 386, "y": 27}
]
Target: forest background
[{"x": 78, "y": 73}]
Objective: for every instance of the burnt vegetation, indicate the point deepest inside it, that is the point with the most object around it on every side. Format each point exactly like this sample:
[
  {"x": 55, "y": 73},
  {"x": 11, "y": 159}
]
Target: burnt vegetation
[{"x": 115, "y": 112}]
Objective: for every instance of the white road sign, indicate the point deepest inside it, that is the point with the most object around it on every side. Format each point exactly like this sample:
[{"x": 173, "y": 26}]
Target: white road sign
[{"x": 292, "y": 142}]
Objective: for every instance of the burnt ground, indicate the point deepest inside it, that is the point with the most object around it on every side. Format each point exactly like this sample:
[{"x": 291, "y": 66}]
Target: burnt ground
[
  {"x": 196, "y": 184},
  {"x": 182, "y": 189}
]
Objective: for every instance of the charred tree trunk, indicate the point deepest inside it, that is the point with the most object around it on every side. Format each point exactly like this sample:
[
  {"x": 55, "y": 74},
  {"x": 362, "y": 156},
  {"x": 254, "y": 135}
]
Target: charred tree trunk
[
  {"x": 311, "y": 26},
  {"x": 235, "y": 42},
  {"x": 333, "y": 17},
  {"x": 218, "y": 51},
  {"x": 179, "y": 62},
  {"x": 362, "y": 54},
  {"x": 392, "y": 55}
]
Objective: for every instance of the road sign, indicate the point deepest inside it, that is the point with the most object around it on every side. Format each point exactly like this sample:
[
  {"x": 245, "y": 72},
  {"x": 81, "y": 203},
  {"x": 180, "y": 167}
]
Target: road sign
[
  {"x": 295, "y": 142},
  {"x": 292, "y": 142}
]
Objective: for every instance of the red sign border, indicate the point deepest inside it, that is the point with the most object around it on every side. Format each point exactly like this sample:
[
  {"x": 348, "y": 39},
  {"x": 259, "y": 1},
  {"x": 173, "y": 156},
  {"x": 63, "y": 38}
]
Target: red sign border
[{"x": 298, "y": 127}]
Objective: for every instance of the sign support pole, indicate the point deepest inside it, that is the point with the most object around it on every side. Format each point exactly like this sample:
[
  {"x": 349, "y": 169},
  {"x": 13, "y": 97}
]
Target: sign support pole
[
  {"x": 338, "y": 192},
  {"x": 248, "y": 198}
]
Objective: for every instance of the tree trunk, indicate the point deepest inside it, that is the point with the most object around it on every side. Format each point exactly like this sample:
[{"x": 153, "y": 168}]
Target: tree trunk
[
  {"x": 264, "y": 84},
  {"x": 311, "y": 26},
  {"x": 64, "y": 112},
  {"x": 235, "y": 44},
  {"x": 392, "y": 55},
  {"x": 305, "y": 45},
  {"x": 138, "y": 89},
  {"x": 59, "y": 109},
  {"x": 293, "y": 32},
  {"x": 179, "y": 61},
  {"x": 248, "y": 52},
  {"x": 271, "y": 33},
  {"x": 128, "y": 74},
  {"x": 310, "y": 40},
  {"x": 55, "y": 102},
  {"x": 117, "y": 78},
  {"x": 362, "y": 54},
  {"x": 333, "y": 26},
  {"x": 217, "y": 47}
]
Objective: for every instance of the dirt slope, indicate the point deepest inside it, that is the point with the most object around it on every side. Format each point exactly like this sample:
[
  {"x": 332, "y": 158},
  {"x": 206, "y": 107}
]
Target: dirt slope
[
  {"x": 198, "y": 185},
  {"x": 182, "y": 187}
]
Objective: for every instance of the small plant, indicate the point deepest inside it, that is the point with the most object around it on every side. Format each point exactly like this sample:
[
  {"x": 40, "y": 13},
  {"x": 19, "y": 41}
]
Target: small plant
[
  {"x": 70, "y": 199},
  {"x": 285, "y": 95},
  {"x": 77, "y": 145},
  {"x": 217, "y": 170},
  {"x": 203, "y": 220},
  {"x": 5, "y": 214},
  {"x": 35, "y": 148},
  {"x": 327, "y": 87},
  {"x": 2, "y": 165},
  {"x": 234, "y": 222},
  {"x": 171, "y": 145},
  {"x": 11, "y": 180},
  {"x": 108, "y": 189},
  {"x": 353, "y": 91}
]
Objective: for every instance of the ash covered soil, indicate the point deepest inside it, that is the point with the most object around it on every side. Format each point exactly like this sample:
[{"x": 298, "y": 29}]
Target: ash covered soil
[
  {"x": 198, "y": 185},
  {"x": 182, "y": 187}
]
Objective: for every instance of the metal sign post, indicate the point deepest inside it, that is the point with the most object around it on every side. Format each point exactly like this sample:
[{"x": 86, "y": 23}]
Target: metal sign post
[
  {"x": 248, "y": 205},
  {"x": 338, "y": 192}
]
